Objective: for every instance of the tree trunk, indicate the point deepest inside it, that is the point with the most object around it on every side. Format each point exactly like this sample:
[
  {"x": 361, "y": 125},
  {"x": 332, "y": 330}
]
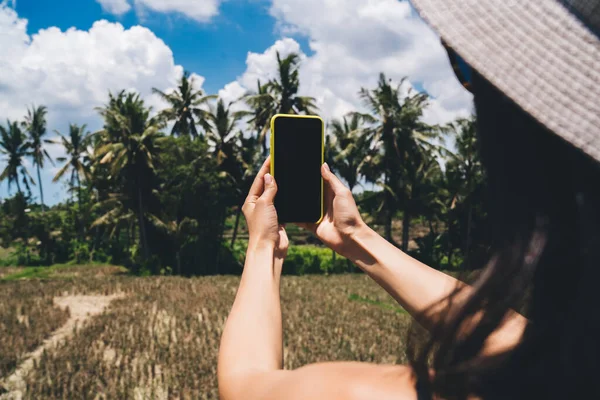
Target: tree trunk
[
  {"x": 79, "y": 192},
  {"x": 41, "y": 188},
  {"x": 18, "y": 185},
  {"x": 405, "y": 229},
  {"x": 143, "y": 240},
  {"x": 237, "y": 224}
]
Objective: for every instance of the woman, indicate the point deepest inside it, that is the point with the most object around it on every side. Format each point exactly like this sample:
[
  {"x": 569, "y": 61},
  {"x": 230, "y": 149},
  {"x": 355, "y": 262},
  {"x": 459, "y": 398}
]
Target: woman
[{"x": 536, "y": 80}]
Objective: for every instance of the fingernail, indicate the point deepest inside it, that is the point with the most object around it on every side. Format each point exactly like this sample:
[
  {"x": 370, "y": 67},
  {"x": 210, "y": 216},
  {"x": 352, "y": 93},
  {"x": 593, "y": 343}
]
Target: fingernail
[
  {"x": 327, "y": 167},
  {"x": 268, "y": 179}
]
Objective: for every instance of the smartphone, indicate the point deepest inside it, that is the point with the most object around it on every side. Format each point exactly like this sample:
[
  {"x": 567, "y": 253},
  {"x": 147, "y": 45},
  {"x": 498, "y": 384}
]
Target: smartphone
[{"x": 297, "y": 151}]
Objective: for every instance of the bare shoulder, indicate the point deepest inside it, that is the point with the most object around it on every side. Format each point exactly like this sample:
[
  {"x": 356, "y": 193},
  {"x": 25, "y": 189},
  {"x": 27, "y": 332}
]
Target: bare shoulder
[
  {"x": 329, "y": 381},
  {"x": 360, "y": 381},
  {"x": 394, "y": 382}
]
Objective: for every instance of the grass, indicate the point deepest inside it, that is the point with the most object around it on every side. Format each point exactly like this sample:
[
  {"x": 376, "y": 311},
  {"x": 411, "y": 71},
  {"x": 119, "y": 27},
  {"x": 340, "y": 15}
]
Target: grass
[
  {"x": 161, "y": 340},
  {"x": 58, "y": 271},
  {"x": 386, "y": 306}
]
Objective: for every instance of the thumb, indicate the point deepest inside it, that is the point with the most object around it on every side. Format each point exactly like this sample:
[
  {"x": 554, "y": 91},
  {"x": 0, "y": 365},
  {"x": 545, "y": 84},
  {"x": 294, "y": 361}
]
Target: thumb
[
  {"x": 270, "y": 189},
  {"x": 336, "y": 185}
]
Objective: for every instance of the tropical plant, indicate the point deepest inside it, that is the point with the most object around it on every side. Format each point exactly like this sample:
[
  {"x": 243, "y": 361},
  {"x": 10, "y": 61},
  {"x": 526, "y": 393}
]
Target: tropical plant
[
  {"x": 279, "y": 96},
  {"x": 464, "y": 183},
  {"x": 263, "y": 108},
  {"x": 398, "y": 140},
  {"x": 129, "y": 146},
  {"x": 14, "y": 146},
  {"x": 35, "y": 125},
  {"x": 186, "y": 107},
  {"x": 348, "y": 147},
  {"x": 222, "y": 137},
  {"x": 284, "y": 88},
  {"x": 77, "y": 159},
  {"x": 250, "y": 163}
]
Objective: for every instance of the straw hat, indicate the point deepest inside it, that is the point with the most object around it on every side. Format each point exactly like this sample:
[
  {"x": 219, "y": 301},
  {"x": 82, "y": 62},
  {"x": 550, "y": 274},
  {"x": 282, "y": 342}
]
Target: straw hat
[{"x": 543, "y": 54}]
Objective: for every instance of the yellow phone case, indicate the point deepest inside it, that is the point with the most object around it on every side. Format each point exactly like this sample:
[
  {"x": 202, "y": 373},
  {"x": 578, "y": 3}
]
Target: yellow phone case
[{"x": 322, "y": 148}]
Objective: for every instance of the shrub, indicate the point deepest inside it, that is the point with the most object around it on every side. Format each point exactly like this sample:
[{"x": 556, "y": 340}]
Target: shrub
[
  {"x": 303, "y": 260},
  {"x": 80, "y": 252}
]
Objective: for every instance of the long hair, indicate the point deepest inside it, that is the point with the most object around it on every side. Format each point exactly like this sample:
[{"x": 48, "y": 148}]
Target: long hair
[{"x": 544, "y": 216}]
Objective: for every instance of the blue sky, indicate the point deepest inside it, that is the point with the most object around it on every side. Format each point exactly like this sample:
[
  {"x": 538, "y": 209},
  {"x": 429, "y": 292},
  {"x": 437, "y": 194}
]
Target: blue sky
[
  {"x": 217, "y": 49},
  {"x": 67, "y": 55}
]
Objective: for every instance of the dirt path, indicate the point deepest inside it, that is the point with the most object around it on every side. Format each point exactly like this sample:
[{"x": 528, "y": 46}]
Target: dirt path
[{"x": 81, "y": 308}]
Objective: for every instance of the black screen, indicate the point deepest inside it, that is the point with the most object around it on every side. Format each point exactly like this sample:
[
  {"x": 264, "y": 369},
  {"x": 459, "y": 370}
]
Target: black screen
[{"x": 298, "y": 156}]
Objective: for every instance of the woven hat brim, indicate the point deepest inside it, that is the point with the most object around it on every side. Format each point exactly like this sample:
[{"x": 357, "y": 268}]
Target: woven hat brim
[{"x": 536, "y": 52}]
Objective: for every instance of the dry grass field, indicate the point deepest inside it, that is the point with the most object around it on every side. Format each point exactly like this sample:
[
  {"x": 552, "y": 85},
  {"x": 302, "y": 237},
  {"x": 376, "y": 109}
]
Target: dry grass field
[{"x": 157, "y": 338}]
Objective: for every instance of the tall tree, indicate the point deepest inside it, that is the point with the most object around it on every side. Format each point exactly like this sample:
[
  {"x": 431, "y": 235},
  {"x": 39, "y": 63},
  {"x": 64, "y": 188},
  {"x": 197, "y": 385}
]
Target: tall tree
[
  {"x": 398, "y": 138},
  {"x": 350, "y": 148},
  {"x": 186, "y": 107},
  {"x": 229, "y": 153},
  {"x": 76, "y": 147},
  {"x": 14, "y": 146},
  {"x": 35, "y": 124},
  {"x": 222, "y": 137},
  {"x": 280, "y": 96},
  {"x": 465, "y": 180},
  {"x": 263, "y": 108},
  {"x": 285, "y": 86},
  {"x": 129, "y": 146}
]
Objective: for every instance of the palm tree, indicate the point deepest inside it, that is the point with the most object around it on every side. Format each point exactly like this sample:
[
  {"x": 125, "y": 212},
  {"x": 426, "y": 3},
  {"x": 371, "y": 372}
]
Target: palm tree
[
  {"x": 350, "y": 146},
  {"x": 398, "y": 137},
  {"x": 280, "y": 96},
  {"x": 465, "y": 177},
  {"x": 76, "y": 147},
  {"x": 186, "y": 107},
  {"x": 234, "y": 160},
  {"x": 285, "y": 88},
  {"x": 263, "y": 108},
  {"x": 222, "y": 138},
  {"x": 35, "y": 124},
  {"x": 129, "y": 146},
  {"x": 15, "y": 147}
]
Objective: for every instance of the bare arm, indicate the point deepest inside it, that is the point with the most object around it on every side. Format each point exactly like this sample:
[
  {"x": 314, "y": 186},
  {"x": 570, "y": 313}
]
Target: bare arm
[
  {"x": 250, "y": 356},
  {"x": 417, "y": 287},
  {"x": 412, "y": 284},
  {"x": 252, "y": 340}
]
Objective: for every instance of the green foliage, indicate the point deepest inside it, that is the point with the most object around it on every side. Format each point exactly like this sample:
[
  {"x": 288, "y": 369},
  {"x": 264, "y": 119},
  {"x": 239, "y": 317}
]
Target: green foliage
[
  {"x": 14, "y": 148},
  {"x": 304, "y": 260},
  {"x": 162, "y": 204},
  {"x": 186, "y": 107},
  {"x": 80, "y": 252}
]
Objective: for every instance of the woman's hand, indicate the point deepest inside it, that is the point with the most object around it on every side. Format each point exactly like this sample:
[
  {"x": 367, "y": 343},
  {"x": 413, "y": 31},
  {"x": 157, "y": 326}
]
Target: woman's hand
[
  {"x": 261, "y": 216},
  {"x": 341, "y": 220}
]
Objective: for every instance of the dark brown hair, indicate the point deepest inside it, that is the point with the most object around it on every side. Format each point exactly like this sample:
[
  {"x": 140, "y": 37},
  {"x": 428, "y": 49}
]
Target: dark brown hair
[{"x": 544, "y": 216}]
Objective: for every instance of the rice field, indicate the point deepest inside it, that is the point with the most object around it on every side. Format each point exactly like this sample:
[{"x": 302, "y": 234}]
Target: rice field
[{"x": 159, "y": 338}]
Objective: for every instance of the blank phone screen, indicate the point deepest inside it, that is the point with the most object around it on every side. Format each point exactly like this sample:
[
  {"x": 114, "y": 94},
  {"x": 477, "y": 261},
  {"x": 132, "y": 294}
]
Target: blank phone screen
[{"x": 298, "y": 156}]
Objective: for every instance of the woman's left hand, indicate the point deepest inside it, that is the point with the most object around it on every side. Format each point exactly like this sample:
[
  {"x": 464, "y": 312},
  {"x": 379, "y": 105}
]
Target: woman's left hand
[{"x": 261, "y": 216}]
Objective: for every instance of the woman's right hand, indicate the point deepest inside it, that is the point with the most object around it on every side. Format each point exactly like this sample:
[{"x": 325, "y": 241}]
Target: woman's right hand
[{"x": 341, "y": 220}]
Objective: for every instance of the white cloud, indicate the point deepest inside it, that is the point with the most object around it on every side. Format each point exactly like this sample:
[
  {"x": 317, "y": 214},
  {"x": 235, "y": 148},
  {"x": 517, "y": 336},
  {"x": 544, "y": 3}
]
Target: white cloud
[
  {"x": 352, "y": 42},
  {"x": 116, "y": 7},
  {"x": 71, "y": 72},
  {"x": 231, "y": 94},
  {"x": 199, "y": 10}
]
